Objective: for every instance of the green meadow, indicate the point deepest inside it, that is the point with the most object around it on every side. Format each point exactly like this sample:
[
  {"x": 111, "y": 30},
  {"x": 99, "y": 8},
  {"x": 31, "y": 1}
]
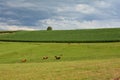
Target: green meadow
[
  {"x": 94, "y": 60},
  {"x": 12, "y": 52},
  {"x": 79, "y": 61},
  {"x": 106, "y": 69}
]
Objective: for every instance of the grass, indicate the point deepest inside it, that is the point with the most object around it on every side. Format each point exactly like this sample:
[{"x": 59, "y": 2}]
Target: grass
[
  {"x": 74, "y": 70},
  {"x": 13, "y": 52},
  {"x": 93, "y": 35},
  {"x": 80, "y": 61}
]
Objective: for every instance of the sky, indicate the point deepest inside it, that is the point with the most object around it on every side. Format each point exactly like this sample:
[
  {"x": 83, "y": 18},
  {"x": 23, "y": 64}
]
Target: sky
[{"x": 59, "y": 14}]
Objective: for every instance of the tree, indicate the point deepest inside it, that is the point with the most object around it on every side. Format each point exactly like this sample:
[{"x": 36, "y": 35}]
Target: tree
[{"x": 49, "y": 28}]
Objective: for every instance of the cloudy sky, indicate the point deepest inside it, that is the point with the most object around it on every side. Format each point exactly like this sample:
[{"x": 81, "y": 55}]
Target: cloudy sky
[{"x": 60, "y": 14}]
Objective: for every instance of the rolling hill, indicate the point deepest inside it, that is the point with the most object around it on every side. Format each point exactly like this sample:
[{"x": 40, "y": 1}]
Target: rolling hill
[
  {"x": 79, "y": 61},
  {"x": 87, "y": 35}
]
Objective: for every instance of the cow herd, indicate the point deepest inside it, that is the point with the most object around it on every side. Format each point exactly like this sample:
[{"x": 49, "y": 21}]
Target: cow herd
[
  {"x": 44, "y": 58},
  {"x": 56, "y": 57}
]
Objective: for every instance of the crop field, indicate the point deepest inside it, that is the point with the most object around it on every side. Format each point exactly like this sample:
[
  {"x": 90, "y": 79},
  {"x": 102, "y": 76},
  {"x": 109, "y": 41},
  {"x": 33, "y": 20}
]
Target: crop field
[
  {"x": 79, "y": 61},
  {"x": 71, "y": 36}
]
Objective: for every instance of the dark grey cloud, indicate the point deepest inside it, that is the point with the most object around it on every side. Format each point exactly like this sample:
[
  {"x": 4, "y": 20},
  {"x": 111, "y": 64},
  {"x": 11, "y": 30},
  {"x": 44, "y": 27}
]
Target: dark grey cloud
[{"x": 61, "y": 14}]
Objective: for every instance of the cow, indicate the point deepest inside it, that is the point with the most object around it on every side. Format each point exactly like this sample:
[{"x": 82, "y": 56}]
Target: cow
[
  {"x": 23, "y": 60},
  {"x": 45, "y": 57},
  {"x": 57, "y": 57}
]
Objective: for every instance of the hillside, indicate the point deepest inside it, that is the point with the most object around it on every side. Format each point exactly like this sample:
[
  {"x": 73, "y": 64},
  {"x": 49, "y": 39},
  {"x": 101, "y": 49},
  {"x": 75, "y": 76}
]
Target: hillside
[
  {"x": 88, "y": 35},
  {"x": 13, "y": 52}
]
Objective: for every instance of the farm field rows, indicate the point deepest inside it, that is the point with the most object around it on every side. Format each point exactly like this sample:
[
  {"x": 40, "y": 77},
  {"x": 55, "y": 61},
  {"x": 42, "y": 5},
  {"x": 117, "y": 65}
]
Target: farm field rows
[
  {"x": 79, "y": 61},
  {"x": 71, "y": 36}
]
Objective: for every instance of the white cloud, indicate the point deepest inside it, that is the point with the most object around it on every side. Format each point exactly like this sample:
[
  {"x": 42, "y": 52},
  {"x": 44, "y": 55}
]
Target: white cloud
[
  {"x": 84, "y": 8},
  {"x": 64, "y": 9},
  {"x": 21, "y": 4},
  {"x": 102, "y": 4},
  {"x": 4, "y": 26},
  {"x": 25, "y": 5},
  {"x": 12, "y": 22},
  {"x": 9, "y": 21},
  {"x": 81, "y": 8},
  {"x": 31, "y": 5},
  {"x": 19, "y": 28},
  {"x": 62, "y": 14},
  {"x": 63, "y": 24}
]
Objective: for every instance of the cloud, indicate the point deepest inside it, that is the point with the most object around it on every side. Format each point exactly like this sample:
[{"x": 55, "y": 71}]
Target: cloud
[
  {"x": 4, "y": 26},
  {"x": 64, "y": 24},
  {"x": 20, "y": 4},
  {"x": 78, "y": 8},
  {"x": 9, "y": 21},
  {"x": 62, "y": 14},
  {"x": 84, "y": 8},
  {"x": 103, "y": 4}
]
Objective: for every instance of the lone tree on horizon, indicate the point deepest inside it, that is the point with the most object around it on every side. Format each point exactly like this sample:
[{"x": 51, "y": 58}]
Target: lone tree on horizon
[{"x": 49, "y": 28}]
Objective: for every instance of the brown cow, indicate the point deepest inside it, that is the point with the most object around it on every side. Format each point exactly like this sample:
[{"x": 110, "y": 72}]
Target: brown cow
[
  {"x": 23, "y": 60},
  {"x": 45, "y": 57},
  {"x": 57, "y": 57}
]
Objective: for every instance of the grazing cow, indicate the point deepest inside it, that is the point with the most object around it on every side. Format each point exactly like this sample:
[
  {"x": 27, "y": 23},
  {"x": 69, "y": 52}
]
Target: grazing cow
[
  {"x": 57, "y": 57},
  {"x": 45, "y": 57},
  {"x": 23, "y": 60}
]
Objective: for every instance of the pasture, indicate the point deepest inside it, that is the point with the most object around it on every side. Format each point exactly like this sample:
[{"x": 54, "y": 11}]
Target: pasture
[
  {"x": 79, "y": 61},
  {"x": 107, "y": 69},
  {"x": 12, "y": 52}
]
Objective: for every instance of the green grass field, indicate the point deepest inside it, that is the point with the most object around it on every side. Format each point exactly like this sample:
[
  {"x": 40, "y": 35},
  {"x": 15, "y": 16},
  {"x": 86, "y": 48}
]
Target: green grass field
[
  {"x": 80, "y": 61},
  {"x": 93, "y": 35},
  {"x": 108, "y": 69},
  {"x": 13, "y": 52}
]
